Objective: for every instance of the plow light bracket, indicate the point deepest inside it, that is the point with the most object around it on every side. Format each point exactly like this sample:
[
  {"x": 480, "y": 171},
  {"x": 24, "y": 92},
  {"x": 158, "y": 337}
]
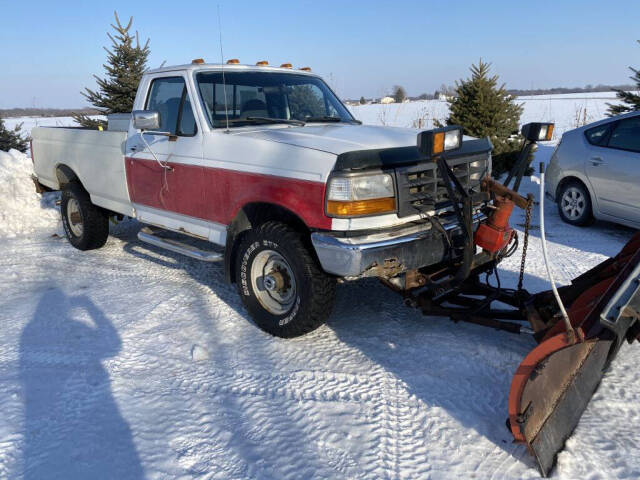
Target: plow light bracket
[
  {"x": 439, "y": 140},
  {"x": 538, "y": 132}
]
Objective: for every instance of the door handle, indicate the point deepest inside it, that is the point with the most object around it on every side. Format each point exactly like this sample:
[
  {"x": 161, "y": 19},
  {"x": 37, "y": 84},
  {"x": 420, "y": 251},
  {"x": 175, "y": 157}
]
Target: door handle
[{"x": 595, "y": 161}]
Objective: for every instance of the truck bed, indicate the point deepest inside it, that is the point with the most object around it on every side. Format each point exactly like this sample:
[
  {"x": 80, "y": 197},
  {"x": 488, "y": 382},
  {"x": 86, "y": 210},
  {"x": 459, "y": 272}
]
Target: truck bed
[{"x": 96, "y": 157}]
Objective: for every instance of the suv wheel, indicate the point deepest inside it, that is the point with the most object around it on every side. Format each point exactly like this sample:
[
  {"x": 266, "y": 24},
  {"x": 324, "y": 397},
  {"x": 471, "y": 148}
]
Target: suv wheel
[
  {"x": 281, "y": 285},
  {"x": 574, "y": 204}
]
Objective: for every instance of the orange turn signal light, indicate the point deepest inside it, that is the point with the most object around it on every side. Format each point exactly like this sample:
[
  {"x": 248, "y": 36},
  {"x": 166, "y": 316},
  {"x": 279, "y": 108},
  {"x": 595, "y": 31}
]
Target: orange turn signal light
[
  {"x": 358, "y": 208},
  {"x": 262, "y": 63},
  {"x": 438, "y": 143},
  {"x": 286, "y": 65},
  {"x": 306, "y": 69},
  {"x": 197, "y": 60},
  {"x": 233, "y": 61},
  {"x": 550, "y": 131}
]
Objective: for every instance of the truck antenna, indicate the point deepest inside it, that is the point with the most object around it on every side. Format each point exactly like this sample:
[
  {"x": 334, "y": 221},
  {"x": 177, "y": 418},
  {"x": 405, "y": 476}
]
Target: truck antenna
[{"x": 224, "y": 83}]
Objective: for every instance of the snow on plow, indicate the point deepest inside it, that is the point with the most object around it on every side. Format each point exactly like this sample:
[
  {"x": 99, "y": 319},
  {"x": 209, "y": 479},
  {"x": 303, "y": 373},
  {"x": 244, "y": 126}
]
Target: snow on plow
[{"x": 554, "y": 383}]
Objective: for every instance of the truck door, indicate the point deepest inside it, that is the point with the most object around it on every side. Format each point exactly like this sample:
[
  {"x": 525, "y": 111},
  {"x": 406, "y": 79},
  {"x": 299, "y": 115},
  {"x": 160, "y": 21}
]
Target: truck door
[
  {"x": 614, "y": 171},
  {"x": 159, "y": 192}
]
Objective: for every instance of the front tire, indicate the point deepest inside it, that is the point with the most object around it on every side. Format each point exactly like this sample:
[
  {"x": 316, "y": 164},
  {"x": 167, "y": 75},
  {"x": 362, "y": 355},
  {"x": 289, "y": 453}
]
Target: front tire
[
  {"x": 280, "y": 283},
  {"x": 574, "y": 204},
  {"x": 85, "y": 225}
]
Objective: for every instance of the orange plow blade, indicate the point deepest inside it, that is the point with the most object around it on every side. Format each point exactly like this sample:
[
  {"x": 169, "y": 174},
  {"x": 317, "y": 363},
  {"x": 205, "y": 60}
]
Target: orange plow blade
[{"x": 554, "y": 383}]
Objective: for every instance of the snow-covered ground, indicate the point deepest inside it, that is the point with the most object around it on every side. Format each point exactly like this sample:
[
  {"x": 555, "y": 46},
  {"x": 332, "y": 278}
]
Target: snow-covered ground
[
  {"x": 130, "y": 361},
  {"x": 567, "y": 111},
  {"x": 30, "y": 122}
]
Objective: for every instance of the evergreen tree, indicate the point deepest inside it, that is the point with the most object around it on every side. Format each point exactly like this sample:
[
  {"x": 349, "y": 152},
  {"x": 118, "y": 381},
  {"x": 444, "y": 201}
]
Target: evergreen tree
[
  {"x": 126, "y": 62},
  {"x": 304, "y": 102},
  {"x": 399, "y": 94},
  {"x": 362, "y": 101},
  {"x": 12, "y": 138},
  {"x": 485, "y": 109},
  {"x": 631, "y": 101}
]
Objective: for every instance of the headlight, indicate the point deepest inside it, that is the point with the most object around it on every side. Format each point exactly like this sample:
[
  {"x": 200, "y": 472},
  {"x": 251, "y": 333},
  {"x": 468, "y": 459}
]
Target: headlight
[
  {"x": 352, "y": 196},
  {"x": 439, "y": 140},
  {"x": 538, "y": 132}
]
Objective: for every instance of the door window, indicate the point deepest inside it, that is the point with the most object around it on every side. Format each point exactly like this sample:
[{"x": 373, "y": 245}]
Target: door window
[
  {"x": 626, "y": 135},
  {"x": 169, "y": 97},
  {"x": 598, "y": 135}
]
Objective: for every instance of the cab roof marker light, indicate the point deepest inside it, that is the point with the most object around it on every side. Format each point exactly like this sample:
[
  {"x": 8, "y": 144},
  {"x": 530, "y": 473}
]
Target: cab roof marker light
[
  {"x": 197, "y": 60},
  {"x": 262, "y": 63},
  {"x": 306, "y": 69},
  {"x": 233, "y": 61},
  {"x": 286, "y": 65}
]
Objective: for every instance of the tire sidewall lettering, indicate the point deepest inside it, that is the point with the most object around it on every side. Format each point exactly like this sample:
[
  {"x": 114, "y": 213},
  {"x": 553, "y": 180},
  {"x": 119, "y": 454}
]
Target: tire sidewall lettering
[{"x": 245, "y": 269}]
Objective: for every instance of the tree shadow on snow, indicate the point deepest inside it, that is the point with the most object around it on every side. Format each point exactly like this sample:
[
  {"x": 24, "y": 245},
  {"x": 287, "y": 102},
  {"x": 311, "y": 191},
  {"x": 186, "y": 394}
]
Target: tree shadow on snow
[{"x": 73, "y": 428}]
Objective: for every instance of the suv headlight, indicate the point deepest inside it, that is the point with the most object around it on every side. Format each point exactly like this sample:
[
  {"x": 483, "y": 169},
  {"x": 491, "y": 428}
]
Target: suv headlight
[{"x": 359, "y": 195}]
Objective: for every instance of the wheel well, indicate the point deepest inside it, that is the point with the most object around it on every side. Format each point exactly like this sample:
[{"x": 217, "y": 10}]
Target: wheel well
[
  {"x": 66, "y": 175},
  {"x": 566, "y": 180},
  {"x": 250, "y": 216}
]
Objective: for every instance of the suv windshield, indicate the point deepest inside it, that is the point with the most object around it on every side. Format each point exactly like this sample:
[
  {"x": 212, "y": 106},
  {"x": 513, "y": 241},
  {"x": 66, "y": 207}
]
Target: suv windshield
[{"x": 266, "y": 97}]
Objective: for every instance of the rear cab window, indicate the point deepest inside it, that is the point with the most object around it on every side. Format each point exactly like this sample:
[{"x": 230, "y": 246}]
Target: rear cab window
[{"x": 169, "y": 97}]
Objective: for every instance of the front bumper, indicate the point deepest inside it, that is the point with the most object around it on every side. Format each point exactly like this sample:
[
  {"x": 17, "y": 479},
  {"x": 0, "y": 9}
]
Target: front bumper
[{"x": 385, "y": 254}]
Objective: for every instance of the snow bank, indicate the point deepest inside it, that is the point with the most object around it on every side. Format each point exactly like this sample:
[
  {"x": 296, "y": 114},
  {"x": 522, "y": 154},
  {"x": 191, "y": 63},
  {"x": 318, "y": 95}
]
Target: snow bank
[{"x": 22, "y": 210}]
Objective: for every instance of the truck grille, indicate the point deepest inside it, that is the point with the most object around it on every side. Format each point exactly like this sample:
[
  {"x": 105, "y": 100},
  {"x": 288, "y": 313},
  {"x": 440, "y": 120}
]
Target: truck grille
[{"x": 420, "y": 189}]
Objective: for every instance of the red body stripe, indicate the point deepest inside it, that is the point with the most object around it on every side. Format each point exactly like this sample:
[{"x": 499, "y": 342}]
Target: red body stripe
[{"x": 218, "y": 194}]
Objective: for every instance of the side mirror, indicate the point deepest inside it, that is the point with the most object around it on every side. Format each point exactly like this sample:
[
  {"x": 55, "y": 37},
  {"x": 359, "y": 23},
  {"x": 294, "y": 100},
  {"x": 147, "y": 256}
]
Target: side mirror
[{"x": 146, "y": 119}]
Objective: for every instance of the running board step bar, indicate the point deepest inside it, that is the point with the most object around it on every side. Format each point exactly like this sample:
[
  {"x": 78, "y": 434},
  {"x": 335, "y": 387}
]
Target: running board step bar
[{"x": 147, "y": 235}]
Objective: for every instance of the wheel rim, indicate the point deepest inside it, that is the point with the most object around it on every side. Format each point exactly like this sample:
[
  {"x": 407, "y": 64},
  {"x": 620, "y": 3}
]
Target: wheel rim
[
  {"x": 273, "y": 282},
  {"x": 74, "y": 217},
  {"x": 574, "y": 203}
]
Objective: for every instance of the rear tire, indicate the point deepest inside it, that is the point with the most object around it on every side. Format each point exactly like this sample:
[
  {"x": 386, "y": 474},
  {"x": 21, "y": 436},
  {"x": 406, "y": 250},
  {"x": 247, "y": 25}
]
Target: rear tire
[
  {"x": 574, "y": 204},
  {"x": 85, "y": 225},
  {"x": 281, "y": 285}
]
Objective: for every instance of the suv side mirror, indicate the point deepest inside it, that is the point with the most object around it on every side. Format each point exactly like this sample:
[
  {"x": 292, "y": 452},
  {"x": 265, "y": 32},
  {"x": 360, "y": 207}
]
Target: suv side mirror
[{"x": 146, "y": 119}]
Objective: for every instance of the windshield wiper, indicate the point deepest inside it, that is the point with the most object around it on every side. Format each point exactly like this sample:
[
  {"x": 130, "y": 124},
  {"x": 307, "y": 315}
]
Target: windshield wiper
[
  {"x": 329, "y": 118},
  {"x": 325, "y": 118},
  {"x": 273, "y": 120}
]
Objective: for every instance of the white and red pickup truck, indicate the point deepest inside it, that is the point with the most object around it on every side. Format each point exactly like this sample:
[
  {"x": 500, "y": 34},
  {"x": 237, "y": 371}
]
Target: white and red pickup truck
[{"x": 269, "y": 164}]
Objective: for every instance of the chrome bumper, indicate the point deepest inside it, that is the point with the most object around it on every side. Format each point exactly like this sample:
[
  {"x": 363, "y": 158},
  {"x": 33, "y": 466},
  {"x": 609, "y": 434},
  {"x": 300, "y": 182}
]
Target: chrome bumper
[{"x": 384, "y": 254}]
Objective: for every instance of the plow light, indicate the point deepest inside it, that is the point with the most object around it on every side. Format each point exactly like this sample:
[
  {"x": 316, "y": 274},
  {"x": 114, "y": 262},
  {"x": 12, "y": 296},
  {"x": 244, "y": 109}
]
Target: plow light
[
  {"x": 439, "y": 140},
  {"x": 360, "y": 195},
  {"x": 538, "y": 132}
]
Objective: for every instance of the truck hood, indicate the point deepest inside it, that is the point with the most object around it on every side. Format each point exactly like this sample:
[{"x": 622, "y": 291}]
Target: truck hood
[{"x": 337, "y": 138}]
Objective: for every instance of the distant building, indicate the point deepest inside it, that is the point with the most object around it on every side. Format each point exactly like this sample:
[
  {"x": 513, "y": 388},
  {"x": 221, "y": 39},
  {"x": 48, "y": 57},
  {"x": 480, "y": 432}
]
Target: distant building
[{"x": 387, "y": 100}]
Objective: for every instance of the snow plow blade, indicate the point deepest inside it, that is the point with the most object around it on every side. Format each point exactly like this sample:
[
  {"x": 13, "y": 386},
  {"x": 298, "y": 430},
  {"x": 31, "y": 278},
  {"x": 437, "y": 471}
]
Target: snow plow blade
[{"x": 554, "y": 383}]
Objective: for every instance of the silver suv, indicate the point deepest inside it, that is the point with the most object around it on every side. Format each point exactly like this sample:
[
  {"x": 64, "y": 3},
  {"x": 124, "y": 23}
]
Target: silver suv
[{"x": 595, "y": 172}]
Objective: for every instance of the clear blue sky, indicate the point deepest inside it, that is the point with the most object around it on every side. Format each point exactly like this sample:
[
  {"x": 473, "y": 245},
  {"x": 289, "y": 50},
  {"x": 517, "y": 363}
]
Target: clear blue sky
[{"x": 50, "y": 49}]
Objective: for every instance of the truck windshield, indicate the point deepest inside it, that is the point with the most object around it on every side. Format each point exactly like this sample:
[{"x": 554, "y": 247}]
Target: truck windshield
[{"x": 267, "y": 97}]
